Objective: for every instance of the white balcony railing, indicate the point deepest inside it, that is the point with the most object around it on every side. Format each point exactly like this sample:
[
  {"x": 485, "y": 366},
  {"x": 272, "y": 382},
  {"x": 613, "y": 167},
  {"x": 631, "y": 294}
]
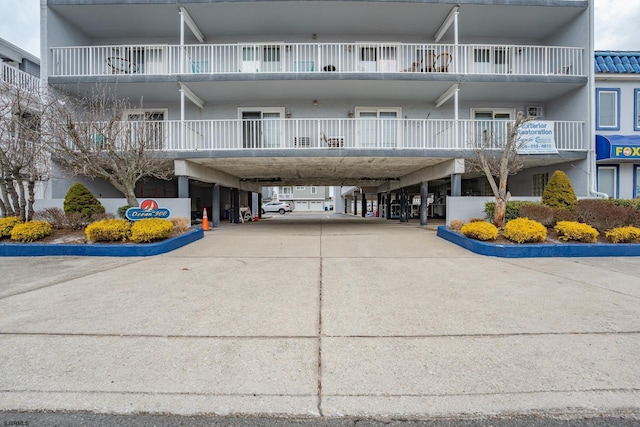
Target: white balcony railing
[
  {"x": 317, "y": 58},
  {"x": 18, "y": 78},
  {"x": 331, "y": 134}
]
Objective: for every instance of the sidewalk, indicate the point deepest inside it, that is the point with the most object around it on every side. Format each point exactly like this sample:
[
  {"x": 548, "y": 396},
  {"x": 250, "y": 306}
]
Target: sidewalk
[{"x": 331, "y": 316}]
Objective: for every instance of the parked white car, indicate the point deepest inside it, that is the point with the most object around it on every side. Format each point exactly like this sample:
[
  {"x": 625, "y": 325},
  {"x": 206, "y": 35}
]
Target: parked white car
[{"x": 280, "y": 207}]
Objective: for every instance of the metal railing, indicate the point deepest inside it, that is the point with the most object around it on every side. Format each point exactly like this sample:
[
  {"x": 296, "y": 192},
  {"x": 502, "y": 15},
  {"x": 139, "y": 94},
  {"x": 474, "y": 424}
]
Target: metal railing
[
  {"x": 317, "y": 58},
  {"x": 19, "y": 79},
  {"x": 356, "y": 133}
]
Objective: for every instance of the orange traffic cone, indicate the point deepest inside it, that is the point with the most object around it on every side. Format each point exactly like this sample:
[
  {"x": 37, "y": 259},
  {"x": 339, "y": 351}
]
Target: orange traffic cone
[{"x": 205, "y": 220}]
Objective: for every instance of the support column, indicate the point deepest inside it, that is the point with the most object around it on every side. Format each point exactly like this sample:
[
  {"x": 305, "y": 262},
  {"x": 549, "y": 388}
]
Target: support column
[
  {"x": 215, "y": 206},
  {"x": 235, "y": 205},
  {"x": 424, "y": 206},
  {"x": 364, "y": 205},
  {"x": 388, "y": 201},
  {"x": 379, "y": 205},
  {"x": 183, "y": 187},
  {"x": 259, "y": 205},
  {"x": 355, "y": 204},
  {"x": 403, "y": 206},
  {"x": 456, "y": 185}
]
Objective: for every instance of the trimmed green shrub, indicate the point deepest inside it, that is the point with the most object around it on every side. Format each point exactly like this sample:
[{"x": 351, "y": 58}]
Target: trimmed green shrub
[
  {"x": 538, "y": 212},
  {"x": 480, "y": 230},
  {"x": 512, "y": 211},
  {"x": 601, "y": 214},
  {"x": 623, "y": 234},
  {"x": 7, "y": 224},
  {"x": 627, "y": 203},
  {"x": 148, "y": 230},
  {"x": 524, "y": 230},
  {"x": 80, "y": 199},
  {"x": 30, "y": 231},
  {"x": 108, "y": 230},
  {"x": 569, "y": 230},
  {"x": 122, "y": 211},
  {"x": 559, "y": 192}
]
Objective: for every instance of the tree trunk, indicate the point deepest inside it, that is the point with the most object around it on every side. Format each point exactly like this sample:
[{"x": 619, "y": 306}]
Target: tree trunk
[
  {"x": 31, "y": 185},
  {"x": 500, "y": 212}
]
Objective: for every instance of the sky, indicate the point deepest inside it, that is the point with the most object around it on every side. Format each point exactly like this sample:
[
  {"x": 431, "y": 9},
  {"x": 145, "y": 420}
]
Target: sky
[{"x": 616, "y": 24}]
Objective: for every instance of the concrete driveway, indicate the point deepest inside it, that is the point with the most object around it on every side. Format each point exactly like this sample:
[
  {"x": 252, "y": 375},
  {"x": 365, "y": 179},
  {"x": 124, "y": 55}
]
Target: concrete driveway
[{"x": 321, "y": 315}]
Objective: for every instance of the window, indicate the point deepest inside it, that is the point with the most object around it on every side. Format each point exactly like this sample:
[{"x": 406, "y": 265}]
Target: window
[
  {"x": 286, "y": 191},
  {"x": 539, "y": 183},
  {"x": 636, "y": 180},
  {"x": 636, "y": 109},
  {"x": 608, "y": 180},
  {"x": 314, "y": 190},
  {"x": 299, "y": 188},
  {"x": 607, "y": 109}
]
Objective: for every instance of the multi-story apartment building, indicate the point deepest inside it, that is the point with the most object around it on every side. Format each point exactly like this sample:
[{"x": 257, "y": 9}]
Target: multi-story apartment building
[
  {"x": 386, "y": 96},
  {"x": 617, "y": 99}
]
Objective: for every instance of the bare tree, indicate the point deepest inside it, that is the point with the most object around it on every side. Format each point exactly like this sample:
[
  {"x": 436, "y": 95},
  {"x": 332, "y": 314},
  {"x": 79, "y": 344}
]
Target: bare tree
[
  {"x": 93, "y": 137},
  {"x": 497, "y": 157},
  {"x": 23, "y": 160}
]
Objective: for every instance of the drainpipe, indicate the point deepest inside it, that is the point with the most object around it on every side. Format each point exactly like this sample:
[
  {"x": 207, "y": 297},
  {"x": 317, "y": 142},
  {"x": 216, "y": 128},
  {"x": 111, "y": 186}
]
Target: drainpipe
[{"x": 591, "y": 155}]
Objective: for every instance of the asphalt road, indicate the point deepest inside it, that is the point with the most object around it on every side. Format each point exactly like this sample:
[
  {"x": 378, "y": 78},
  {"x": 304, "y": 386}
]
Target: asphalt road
[{"x": 53, "y": 419}]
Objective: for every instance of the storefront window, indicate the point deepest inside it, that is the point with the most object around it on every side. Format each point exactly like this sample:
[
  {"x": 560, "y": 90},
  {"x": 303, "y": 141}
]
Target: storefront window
[
  {"x": 607, "y": 180},
  {"x": 636, "y": 193}
]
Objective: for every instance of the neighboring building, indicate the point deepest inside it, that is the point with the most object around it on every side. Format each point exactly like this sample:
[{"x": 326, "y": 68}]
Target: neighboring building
[
  {"x": 617, "y": 99},
  {"x": 19, "y": 68},
  {"x": 303, "y": 198},
  {"x": 386, "y": 97}
]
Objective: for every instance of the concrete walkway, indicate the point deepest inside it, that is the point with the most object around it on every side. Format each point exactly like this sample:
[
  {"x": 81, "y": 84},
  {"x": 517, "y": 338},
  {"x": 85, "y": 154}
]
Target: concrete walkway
[{"x": 321, "y": 315}]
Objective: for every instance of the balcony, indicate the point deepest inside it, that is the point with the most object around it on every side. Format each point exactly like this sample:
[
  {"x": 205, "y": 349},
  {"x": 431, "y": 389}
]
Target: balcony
[
  {"x": 336, "y": 134},
  {"x": 313, "y": 58},
  {"x": 19, "y": 79}
]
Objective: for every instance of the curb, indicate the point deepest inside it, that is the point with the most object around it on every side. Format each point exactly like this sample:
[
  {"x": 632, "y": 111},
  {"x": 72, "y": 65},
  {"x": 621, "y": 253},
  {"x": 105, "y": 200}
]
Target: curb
[
  {"x": 539, "y": 250},
  {"x": 100, "y": 249}
]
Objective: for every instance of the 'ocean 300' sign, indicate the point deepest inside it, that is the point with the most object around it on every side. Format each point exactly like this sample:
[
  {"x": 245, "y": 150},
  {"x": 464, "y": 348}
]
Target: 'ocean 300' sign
[{"x": 147, "y": 209}]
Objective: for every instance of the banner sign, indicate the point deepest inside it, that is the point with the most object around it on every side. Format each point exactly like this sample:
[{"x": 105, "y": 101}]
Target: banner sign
[
  {"x": 148, "y": 209},
  {"x": 625, "y": 151},
  {"x": 537, "y": 137}
]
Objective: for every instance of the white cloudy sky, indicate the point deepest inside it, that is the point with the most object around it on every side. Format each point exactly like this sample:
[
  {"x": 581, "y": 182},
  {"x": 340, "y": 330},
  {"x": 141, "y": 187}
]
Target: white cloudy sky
[{"x": 617, "y": 24}]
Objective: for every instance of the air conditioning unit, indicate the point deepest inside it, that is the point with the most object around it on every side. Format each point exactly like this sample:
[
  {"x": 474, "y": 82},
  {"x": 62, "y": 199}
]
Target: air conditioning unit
[{"x": 534, "y": 111}]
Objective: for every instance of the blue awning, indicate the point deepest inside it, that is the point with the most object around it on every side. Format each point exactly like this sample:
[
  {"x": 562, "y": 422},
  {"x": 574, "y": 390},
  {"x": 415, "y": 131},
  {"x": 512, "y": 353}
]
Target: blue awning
[{"x": 622, "y": 147}]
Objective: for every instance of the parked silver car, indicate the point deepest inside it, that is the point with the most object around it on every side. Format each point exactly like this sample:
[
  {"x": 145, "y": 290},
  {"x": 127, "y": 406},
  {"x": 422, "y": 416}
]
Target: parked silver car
[{"x": 280, "y": 207}]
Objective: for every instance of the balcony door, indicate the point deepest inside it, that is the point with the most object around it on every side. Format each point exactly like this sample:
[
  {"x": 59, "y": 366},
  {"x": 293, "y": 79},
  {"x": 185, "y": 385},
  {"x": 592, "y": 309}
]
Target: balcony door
[
  {"x": 491, "y": 60},
  {"x": 381, "y": 58},
  {"x": 491, "y": 125},
  {"x": 260, "y": 58},
  {"x": 148, "y": 127},
  {"x": 378, "y": 127},
  {"x": 261, "y": 127}
]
